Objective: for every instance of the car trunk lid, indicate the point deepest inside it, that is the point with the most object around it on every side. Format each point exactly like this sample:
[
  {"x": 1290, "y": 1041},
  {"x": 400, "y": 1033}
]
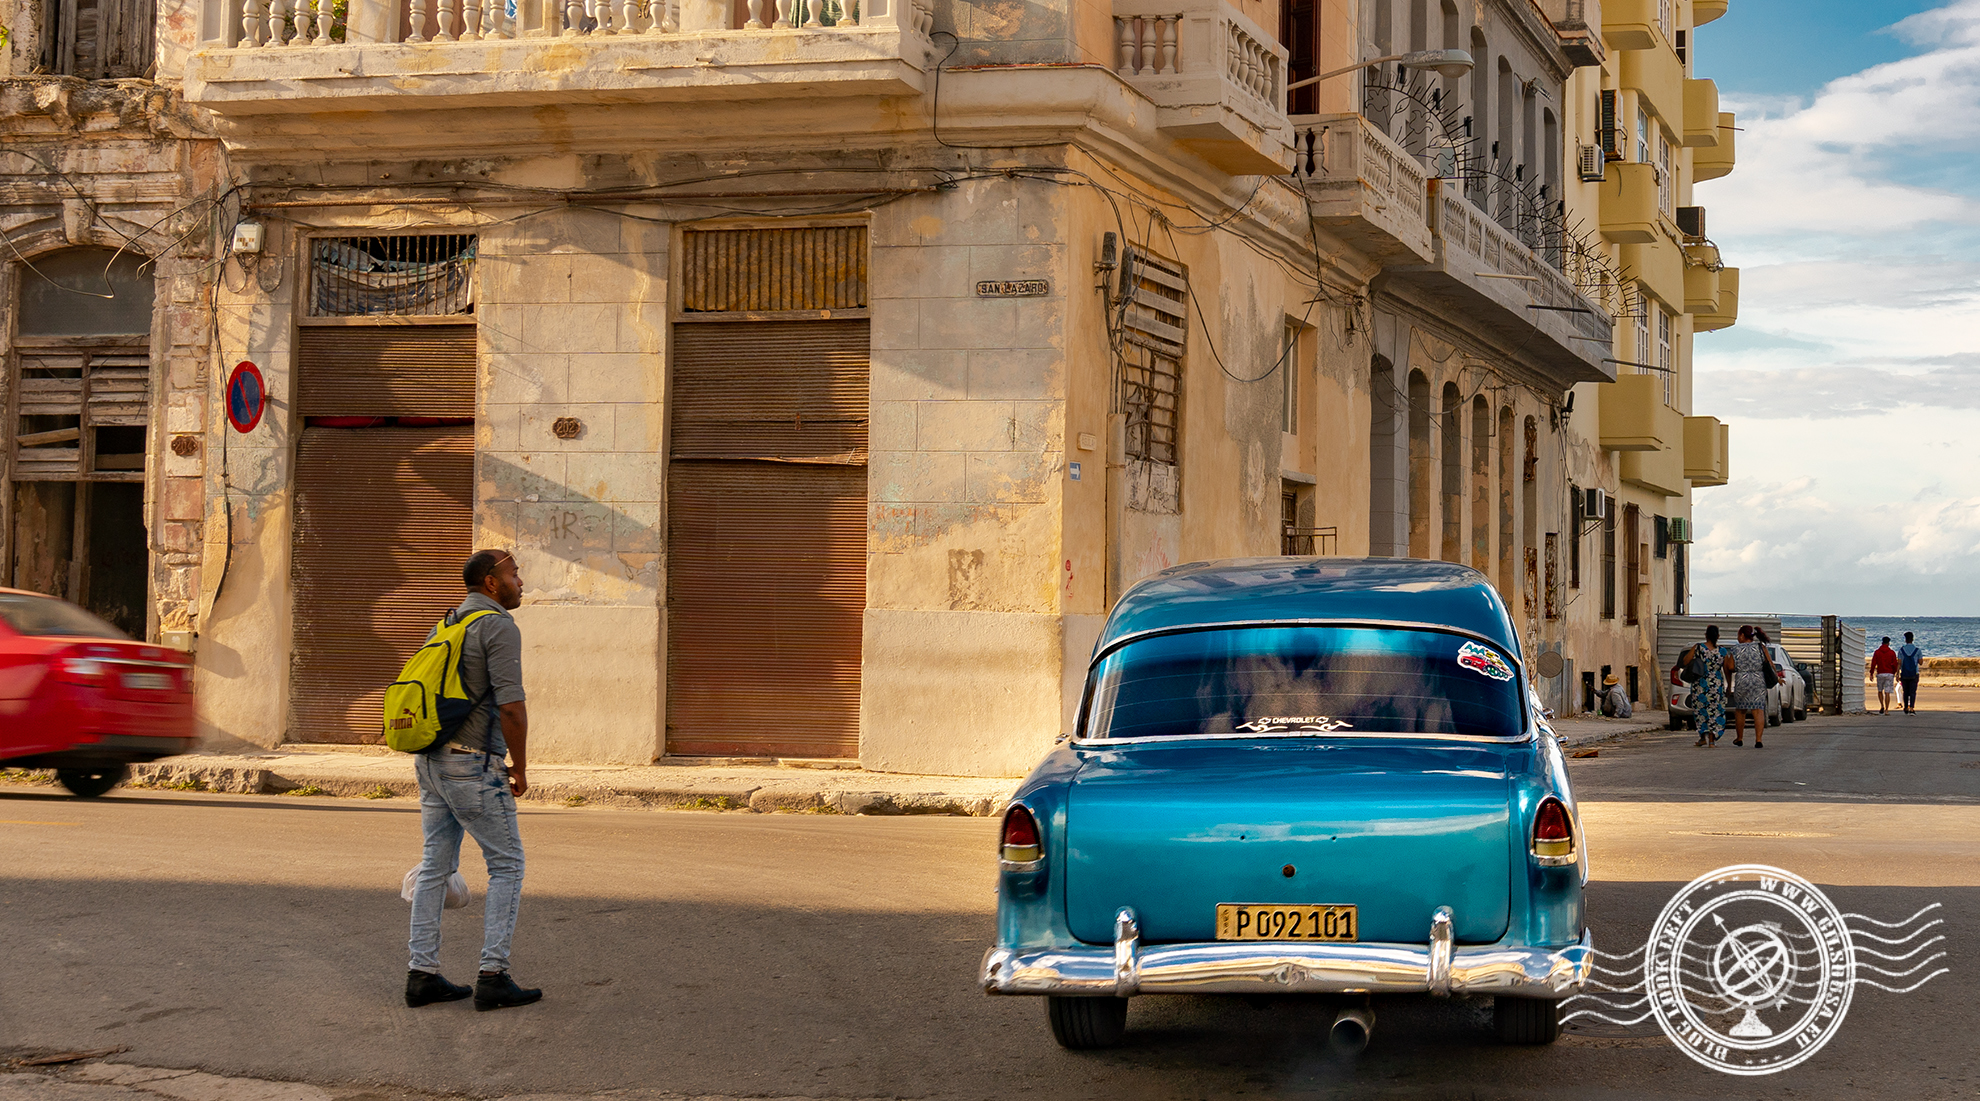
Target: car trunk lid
[{"x": 1394, "y": 827}]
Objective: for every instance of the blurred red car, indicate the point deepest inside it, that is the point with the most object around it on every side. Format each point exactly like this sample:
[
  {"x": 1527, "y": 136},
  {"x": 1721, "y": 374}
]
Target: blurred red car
[{"x": 78, "y": 696}]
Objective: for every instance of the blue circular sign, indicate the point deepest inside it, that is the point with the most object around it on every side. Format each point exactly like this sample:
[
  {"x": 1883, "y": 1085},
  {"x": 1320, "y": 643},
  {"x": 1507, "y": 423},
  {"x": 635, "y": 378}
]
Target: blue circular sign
[{"x": 247, "y": 396}]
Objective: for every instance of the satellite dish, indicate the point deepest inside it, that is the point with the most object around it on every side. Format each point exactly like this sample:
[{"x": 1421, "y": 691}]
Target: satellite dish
[{"x": 1549, "y": 663}]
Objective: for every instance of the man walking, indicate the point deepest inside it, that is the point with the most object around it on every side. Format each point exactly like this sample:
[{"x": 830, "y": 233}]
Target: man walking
[
  {"x": 465, "y": 789},
  {"x": 1884, "y": 663},
  {"x": 1909, "y": 657}
]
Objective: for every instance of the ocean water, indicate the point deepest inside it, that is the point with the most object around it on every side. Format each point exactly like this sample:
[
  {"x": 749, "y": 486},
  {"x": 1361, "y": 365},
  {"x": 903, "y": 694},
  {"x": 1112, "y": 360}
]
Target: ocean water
[{"x": 1938, "y": 636}]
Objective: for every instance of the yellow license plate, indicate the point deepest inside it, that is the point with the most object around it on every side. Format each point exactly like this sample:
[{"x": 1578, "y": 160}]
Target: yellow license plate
[{"x": 1246, "y": 921}]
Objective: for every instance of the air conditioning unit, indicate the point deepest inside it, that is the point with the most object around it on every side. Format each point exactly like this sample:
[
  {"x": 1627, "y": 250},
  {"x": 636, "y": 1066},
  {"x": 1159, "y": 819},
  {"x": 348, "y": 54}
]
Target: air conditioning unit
[
  {"x": 1680, "y": 530},
  {"x": 1588, "y": 158},
  {"x": 1595, "y": 506},
  {"x": 1691, "y": 221}
]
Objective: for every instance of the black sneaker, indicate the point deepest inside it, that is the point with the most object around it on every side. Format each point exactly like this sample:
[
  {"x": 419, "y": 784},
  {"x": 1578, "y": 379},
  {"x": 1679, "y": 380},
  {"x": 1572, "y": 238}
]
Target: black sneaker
[
  {"x": 499, "y": 991},
  {"x": 426, "y": 987}
]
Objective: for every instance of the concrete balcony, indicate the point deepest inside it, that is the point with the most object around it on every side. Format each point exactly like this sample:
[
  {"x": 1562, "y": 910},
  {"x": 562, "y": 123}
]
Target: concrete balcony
[
  {"x": 1705, "y": 451},
  {"x": 1366, "y": 189},
  {"x": 1635, "y": 418},
  {"x": 1217, "y": 80},
  {"x": 1659, "y": 471},
  {"x": 1701, "y": 279},
  {"x": 1631, "y": 210},
  {"x": 1704, "y": 11},
  {"x": 1480, "y": 276},
  {"x": 394, "y": 55},
  {"x": 1659, "y": 267},
  {"x": 1632, "y": 24},
  {"x": 1578, "y": 26},
  {"x": 1657, "y": 76},
  {"x": 1711, "y": 162},
  {"x": 1701, "y": 113},
  {"x": 1727, "y": 313}
]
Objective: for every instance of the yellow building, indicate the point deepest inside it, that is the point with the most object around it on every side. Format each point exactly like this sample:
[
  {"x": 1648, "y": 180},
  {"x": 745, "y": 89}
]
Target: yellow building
[{"x": 1646, "y": 128}]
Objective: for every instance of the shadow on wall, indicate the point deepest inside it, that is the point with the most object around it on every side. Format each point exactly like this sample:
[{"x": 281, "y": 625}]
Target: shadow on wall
[{"x": 571, "y": 546}]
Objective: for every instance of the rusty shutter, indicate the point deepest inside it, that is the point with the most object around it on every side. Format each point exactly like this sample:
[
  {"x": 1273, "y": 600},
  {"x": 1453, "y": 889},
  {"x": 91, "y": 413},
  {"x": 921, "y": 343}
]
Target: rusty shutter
[
  {"x": 386, "y": 371},
  {"x": 766, "y": 536},
  {"x": 766, "y": 581},
  {"x": 793, "y": 391},
  {"x": 384, "y": 518},
  {"x": 773, "y": 270}
]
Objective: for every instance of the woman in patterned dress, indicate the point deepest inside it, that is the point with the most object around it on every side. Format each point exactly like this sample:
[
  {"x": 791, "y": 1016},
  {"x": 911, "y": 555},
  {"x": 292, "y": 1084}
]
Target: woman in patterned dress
[
  {"x": 1710, "y": 706},
  {"x": 1748, "y": 691}
]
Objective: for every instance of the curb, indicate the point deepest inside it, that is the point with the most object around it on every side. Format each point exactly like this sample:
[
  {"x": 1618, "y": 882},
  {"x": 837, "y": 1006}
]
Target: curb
[{"x": 192, "y": 775}]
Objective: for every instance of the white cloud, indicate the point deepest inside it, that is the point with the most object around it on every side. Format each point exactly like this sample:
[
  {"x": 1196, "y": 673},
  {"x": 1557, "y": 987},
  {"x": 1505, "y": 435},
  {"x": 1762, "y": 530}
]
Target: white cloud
[{"x": 1853, "y": 378}]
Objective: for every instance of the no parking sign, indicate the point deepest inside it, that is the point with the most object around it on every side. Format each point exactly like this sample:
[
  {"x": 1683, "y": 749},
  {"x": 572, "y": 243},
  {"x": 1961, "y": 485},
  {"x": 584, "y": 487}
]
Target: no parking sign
[{"x": 247, "y": 396}]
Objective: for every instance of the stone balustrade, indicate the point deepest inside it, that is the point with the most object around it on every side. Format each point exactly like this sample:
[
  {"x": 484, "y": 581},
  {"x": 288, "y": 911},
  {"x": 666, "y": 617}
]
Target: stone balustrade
[
  {"x": 290, "y": 23},
  {"x": 1216, "y": 78},
  {"x": 1363, "y": 186}
]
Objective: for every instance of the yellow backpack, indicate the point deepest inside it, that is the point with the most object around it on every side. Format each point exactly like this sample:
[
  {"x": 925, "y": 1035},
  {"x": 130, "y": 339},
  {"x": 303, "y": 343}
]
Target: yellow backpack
[{"x": 427, "y": 704}]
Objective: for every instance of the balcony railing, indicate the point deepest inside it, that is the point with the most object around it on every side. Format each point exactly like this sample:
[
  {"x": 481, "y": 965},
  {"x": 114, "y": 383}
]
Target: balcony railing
[
  {"x": 291, "y": 23},
  {"x": 1365, "y": 188},
  {"x": 1216, "y": 78}
]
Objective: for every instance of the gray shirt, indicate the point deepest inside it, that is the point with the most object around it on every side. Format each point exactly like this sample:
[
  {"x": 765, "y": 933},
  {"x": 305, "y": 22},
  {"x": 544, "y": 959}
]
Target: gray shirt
[{"x": 491, "y": 656}]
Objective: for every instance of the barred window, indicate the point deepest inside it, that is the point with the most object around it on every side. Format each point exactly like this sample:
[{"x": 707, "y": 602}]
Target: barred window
[
  {"x": 417, "y": 275},
  {"x": 1155, "y": 328}
]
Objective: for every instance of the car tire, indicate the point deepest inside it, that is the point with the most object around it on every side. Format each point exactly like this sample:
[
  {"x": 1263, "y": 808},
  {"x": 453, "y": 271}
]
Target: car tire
[
  {"x": 1084, "y": 1024},
  {"x": 1526, "y": 1020},
  {"x": 1676, "y": 723},
  {"x": 1801, "y": 716},
  {"x": 1691, "y": 723},
  {"x": 88, "y": 783},
  {"x": 1773, "y": 718}
]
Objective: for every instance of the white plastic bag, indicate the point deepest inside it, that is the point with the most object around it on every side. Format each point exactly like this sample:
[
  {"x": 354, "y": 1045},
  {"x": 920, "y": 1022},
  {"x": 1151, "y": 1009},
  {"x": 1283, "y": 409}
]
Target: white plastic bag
[{"x": 457, "y": 889}]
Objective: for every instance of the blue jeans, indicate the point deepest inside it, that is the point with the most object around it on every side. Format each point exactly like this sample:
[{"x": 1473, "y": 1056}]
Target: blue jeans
[{"x": 466, "y": 793}]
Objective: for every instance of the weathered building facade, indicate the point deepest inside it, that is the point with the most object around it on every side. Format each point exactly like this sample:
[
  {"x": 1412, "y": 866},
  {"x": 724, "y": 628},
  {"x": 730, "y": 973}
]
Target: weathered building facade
[{"x": 829, "y": 369}]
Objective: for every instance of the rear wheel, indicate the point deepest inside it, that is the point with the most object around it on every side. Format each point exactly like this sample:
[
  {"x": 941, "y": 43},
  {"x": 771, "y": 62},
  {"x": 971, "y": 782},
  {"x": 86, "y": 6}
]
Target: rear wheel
[
  {"x": 1676, "y": 723},
  {"x": 1800, "y": 715},
  {"x": 91, "y": 782},
  {"x": 1526, "y": 1020},
  {"x": 1082, "y": 1024}
]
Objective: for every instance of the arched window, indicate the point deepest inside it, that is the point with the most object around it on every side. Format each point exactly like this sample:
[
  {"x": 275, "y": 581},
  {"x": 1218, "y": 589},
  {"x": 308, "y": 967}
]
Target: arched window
[
  {"x": 1480, "y": 150},
  {"x": 82, "y": 376},
  {"x": 1508, "y": 479},
  {"x": 1388, "y": 502},
  {"x": 1481, "y": 485}
]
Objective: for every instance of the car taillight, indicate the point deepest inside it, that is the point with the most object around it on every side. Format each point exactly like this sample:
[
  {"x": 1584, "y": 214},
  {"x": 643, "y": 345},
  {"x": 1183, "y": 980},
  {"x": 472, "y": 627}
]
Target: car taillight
[
  {"x": 1553, "y": 834},
  {"x": 1020, "y": 844},
  {"x": 82, "y": 670},
  {"x": 1677, "y": 674}
]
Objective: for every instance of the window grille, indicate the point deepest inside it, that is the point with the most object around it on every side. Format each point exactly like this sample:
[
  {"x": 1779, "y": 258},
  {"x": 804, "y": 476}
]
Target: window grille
[
  {"x": 98, "y": 39},
  {"x": 424, "y": 275},
  {"x": 1155, "y": 328}
]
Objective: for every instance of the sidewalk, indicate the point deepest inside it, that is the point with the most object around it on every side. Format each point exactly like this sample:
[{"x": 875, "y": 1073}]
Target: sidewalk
[{"x": 762, "y": 788}]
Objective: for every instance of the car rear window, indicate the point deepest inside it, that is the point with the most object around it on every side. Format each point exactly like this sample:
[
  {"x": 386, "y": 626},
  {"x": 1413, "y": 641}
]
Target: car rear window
[
  {"x": 1305, "y": 680},
  {"x": 45, "y": 615}
]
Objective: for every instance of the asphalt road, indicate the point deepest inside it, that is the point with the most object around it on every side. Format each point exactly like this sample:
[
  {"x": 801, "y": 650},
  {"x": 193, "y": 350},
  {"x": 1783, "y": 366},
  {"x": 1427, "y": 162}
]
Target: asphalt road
[{"x": 826, "y": 957}]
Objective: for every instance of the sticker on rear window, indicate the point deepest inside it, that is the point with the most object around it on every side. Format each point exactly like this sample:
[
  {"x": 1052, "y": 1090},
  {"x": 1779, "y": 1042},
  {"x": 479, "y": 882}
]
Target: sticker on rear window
[
  {"x": 1273, "y": 724},
  {"x": 1483, "y": 659}
]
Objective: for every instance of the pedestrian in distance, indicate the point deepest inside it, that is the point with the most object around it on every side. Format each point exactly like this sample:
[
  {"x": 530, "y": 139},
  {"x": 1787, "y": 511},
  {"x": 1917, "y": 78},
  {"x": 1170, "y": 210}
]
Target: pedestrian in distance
[
  {"x": 1705, "y": 666},
  {"x": 1884, "y": 663},
  {"x": 1909, "y": 658},
  {"x": 1615, "y": 702},
  {"x": 465, "y": 789},
  {"x": 1749, "y": 669}
]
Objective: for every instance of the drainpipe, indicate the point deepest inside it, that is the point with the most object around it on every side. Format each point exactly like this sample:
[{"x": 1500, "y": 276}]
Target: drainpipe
[{"x": 1116, "y": 502}]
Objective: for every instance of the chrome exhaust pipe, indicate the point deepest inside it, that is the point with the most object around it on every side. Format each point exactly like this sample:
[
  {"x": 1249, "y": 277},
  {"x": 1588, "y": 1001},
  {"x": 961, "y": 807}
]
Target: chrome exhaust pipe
[{"x": 1351, "y": 1030}]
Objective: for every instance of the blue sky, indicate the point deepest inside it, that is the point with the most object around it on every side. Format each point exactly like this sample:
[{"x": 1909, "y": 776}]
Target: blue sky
[{"x": 1852, "y": 381}]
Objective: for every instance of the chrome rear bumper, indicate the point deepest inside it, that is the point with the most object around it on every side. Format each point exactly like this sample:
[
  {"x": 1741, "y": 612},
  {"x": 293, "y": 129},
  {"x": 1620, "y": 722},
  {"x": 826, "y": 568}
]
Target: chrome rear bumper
[{"x": 1272, "y": 967}]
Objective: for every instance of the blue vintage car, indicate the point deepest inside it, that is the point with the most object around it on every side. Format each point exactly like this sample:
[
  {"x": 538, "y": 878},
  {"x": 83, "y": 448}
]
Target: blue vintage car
[{"x": 1323, "y": 776}]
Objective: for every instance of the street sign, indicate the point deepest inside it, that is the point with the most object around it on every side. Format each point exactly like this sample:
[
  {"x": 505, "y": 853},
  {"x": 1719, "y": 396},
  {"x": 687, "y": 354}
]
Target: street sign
[{"x": 247, "y": 396}]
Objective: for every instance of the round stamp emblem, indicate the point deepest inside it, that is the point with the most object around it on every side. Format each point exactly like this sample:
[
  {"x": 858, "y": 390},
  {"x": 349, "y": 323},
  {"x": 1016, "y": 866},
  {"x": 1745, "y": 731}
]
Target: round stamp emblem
[{"x": 1749, "y": 969}]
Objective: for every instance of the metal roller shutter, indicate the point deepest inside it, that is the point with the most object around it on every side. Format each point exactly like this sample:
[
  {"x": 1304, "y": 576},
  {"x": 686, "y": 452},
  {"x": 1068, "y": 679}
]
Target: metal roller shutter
[
  {"x": 384, "y": 519},
  {"x": 766, "y": 582},
  {"x": 766, "y": 536},
  {"x": 386, "y": 371}
]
